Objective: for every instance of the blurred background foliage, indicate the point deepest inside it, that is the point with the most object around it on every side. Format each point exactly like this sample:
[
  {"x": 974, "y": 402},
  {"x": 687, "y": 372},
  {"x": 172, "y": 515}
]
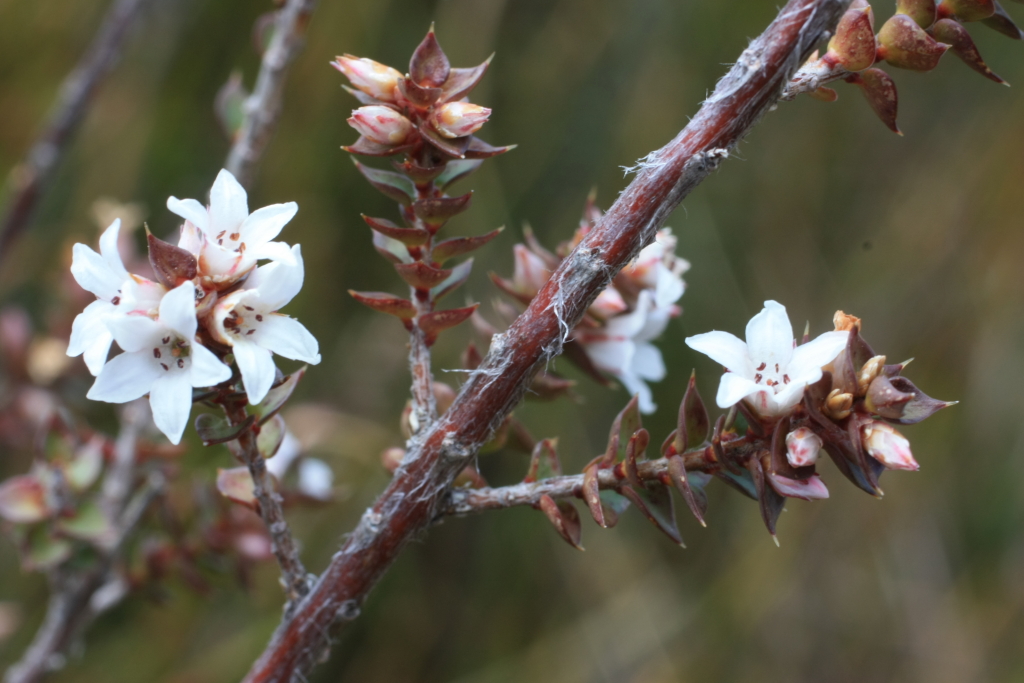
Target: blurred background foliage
[{"x": 822, "y": 208}]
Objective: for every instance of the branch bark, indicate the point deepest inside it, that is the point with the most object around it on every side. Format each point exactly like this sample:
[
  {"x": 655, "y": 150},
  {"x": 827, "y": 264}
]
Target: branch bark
[
  {"x": 27, "y": 181},
  {"x": 419, "y": 488},
  {"x": 263, "y": 107}
]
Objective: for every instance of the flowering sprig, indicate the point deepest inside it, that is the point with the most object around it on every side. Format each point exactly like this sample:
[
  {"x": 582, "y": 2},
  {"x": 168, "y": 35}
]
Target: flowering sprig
[
  {"x": 914, "y": 38},
  {"x": 423, "y": 116}
]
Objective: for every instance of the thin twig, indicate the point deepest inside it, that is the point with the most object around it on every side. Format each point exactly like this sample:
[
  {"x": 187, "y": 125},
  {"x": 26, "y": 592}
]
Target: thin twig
[
  {"x": 293, "y": 574},
  {"x": 28, "y": 179},
  {"x": 416, "y": 493},
  {"x": 263, "y": 106},
  {"x": 811, "y": 76}
]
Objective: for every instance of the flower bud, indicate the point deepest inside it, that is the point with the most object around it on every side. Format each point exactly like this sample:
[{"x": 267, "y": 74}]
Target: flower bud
[
  {"x": 853, "y": 45},
  {"x": 802, "y": 447},
  {"x": 904, "y": 44},
  {"x": 870, "y": 370},
  {"x": 921, "y": 11},
  {"x": 373, "y": 78},
  {"x": 530, "y": 271},
  {"x": 887, "y": 446},
  {"x": 607, "y": 304},
  {"x": 381, "y": 124},
  {"x": 838, "y": 405},
  {"x": 967, "y": 10},
  {"x": 457, "y": 119},
  {"x": 844, "y": 322}
]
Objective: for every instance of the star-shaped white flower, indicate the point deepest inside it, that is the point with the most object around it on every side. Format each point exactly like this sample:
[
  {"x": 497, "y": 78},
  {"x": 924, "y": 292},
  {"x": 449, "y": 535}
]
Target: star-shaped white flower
[
  {"x": 623, "y": 347},
  {"x": 226, "y": 238},
  {"x": 248, "y": 321},
  {"x": 104, "y": 275},
  {"x": 768, "y": 370},
  {"x": 162, "y": 358}
]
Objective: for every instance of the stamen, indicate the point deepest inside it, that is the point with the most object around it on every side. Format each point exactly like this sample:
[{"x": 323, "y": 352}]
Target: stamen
[
  {"x": 259, "y": 318},
  {"x": 156, "y": 353},
  {"x": 776, "y": 367},
  {"x": 786, "y": 379},
  {"x": 221, "y": 234},
  {"x": 165, "y": 340},
  {"x": 164, "y": 366},
  {"x": 758, "y": 377},
  {"x": 181, "y": 362},
  {"x": 251, "y": 332},
  {"x": 249, "y": 308},
  {"x": 116, "y": 300},
  {"x": 220, "y": 242},
  {"x": 234, "y": 236},
  {"x": 241, "y": 248},
  {"x": 761, "y": 367}
]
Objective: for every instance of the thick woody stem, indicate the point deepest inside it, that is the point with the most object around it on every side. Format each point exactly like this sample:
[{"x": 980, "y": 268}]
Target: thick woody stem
[
  {"x": 263, "y": 106},
  {"x": 472, "y": 501},
  {"x": 28, "y": 179},
  {"x": 293, "y": 574},
  {"x": 419, "y": 488}
]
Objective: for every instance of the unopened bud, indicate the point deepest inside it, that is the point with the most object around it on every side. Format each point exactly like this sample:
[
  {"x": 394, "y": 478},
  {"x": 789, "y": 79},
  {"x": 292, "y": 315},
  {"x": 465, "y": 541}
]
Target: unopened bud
[
  {"x": 457, "y": 119},
  {"x": 853, "y": 45},
  {"x": 887, "y": 446},
  {"x": 530, "y": 273},
  {"x": 884, "y": 399},
  {"x": 373, "y": 78},
  {"x": 802, "y": 447},
  {"x": 967, "y": 10},
  {"x": 838, "y": 405},
  {"x": 870, "y": 370},
  {"x": 381, "y": 124},
  {"x": 904, "y": 44},
  {"x": 921, "y": 11}
]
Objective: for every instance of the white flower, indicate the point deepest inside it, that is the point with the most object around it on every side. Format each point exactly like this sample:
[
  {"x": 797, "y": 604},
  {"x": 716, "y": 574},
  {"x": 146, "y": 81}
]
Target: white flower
[
  {"x": 767, "y": 370},
  {"x": 248, "y": 321},
  {"x": 162, "y": 358},
  {"x": 658, "y": 268},
  {"x": 888, "y": 446},
  {"x": 530, "y": 273},
  {"x": 622, "y": 347},
  {"x": 225, "y": 237},
  {"x": 316, "y": 479},
  {"x": 104, "y": 275}
]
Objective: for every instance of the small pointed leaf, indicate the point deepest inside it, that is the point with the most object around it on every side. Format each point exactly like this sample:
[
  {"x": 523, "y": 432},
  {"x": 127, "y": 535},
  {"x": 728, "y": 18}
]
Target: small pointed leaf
[
  {"x": 171, "y": 264},
  {"x": 434, "y": 323},
  {"x": 461, "y": 81},
  {"x": 695, "y": 498},
  {"x": 478, "y": 149},
  {"x": 655, "y": 501},
  {"x": 564, "y": 517},
  {"x": 456, "y": 170},
  {"x": 457, "y": 246},
  {"x": 429, "y": 65},
  {"x": 386, "y": 303},
  {"x": 410, "y": 237},
  {"x": 436, "y": 211},
  {"x": 454, "y": 147},
  {"x": 236, "y": 485},
  {"x": 458, "y": 276},
  {"x": 271, "y": 436},
  {"x": 694, "y": 425},
  {"x": 393, "y": 185},
  {"x": 544, "y": 462},
  {"x": 420, "y": 275}
]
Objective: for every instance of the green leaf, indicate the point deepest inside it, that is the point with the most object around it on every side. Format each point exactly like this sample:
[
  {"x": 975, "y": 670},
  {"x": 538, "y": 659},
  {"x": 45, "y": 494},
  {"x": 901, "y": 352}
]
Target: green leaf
[
  {"x": 270, "y": 437},
  {"x": 393, "y": 185},
  {"x": 214, "y": 429},
  {"x": 86, "y": 465},
  {"x": 613, "y": 505},
  {"x": 564, "y": 517},
  {"x": 459, "y": 274},
  {"x": 544, "y": 462},
  {"x": 44, "y": 551},
  {"x": 456, "y": 170},
  {"x": 741, "y": 481},
  {"x": 88, "y": 524},
  {"x": 655, "y": 500},
  {"x": 277, "y": 397},
  {"x": 457, "y": 246},
  {"x": 391, "y": 249}
]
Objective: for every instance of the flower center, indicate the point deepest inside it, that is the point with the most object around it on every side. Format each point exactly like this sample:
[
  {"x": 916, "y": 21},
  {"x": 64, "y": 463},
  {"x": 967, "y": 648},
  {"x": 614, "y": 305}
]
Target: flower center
[
  {"x": 771, "y": 375},
  {"x": 243, "y": 321},
  {"x": 230, "y": 241},
  {"x": 172, "y": 354}
]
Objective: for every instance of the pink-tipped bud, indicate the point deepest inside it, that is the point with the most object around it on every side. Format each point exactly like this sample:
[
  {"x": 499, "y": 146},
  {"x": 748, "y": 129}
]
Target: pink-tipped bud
[
  {"x": 457, "y": 119},
  {"x": 853, "y": 45},
  {"x": 802, "y": 447},
  {"x": 381, "y": 124},
  {"x": 904, "y": 44},
  {"x": 373, "y": 78},
  {"x": 887, "y": 446},
  {"x": 530, "y": 273}
]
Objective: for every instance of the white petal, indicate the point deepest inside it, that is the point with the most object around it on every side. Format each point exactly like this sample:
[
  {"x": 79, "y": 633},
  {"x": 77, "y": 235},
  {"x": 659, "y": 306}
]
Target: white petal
[
  {"x": 648, "y": 363},
  {"x": 265, "y": 224},
  {"x": 287, "y": 337},
  {"x": 109, "y": 251},
  {"x": 655, "y": 324},
  {"x": 770, "y": 336},
  {"x": 274, "y": 251},
  {"x": 812, "y": 488},
  {"x": 638, "y": 387},
  {"x": 630, "y": 324},
  {"x": 171, "y": 401},
  {"x": 278, "y": 282},
  {"x": 192, "y": 211},
  {"x": 228, "y": 204},
  {"x": 223, "y": 265},
  {"x": 90, "y": 336},
  {"x": 125, "y": 378},
  {"x": 613, "y": 355},
  {"x": 178, "y": 310},
  {"x": 141, "y": 296},
  {"x": 669, "y": 289},
  {"x": 257, "y": 367},
  {"x": 290, "y": 449},
  {"x": 315, "y": 478},
  {"x": 207, "y": 370},
  {"x": 191, "y": 239},
  {"x": 817, "y": 353},
  {"x": 733, "y": 388},
  {"x": 136, "y": 332},
  {"x": 726, "y": 349},
  {"x": 793, "y": 392},
  {"x": 94, "y": 274}
]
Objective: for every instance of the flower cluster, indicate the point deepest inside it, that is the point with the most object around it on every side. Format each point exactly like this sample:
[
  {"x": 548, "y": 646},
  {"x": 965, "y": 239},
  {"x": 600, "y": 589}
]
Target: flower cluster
[
  {"x": 616, "y": 334},
  {"x": 208, "y": 302},
  {"x": 832, "y": 393}
]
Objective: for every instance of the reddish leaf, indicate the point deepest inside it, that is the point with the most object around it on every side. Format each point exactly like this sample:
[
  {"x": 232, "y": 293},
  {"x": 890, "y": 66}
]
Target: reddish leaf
[
  {"x": 436, "y": 211},
  {"x": 544, "y": 462},
  {"x": 366, "y": 147},
  {"x": 592, "y": 495},
  {"x": 457, "y": 246},
  {"x": 635, "y": 449},
  {"x": 880, "y": 92},
  {"x": 434, "y": 323},
  {"x": 694, "y": 425},
  {"x": 391, "y": 249},
  {"x": 678, "y": 475},
  {"x": 459, "y": 275},
  {"x": 461, "y": 81},
  {"x": 429, "y": 65},
  {"x": 419, "y": 95},
  {"x": 564, "y": 517},
  {"x": 655, "y": 501},
  {"x": 171, "y": 264},
  {"x": 277, "y": 396},
  {"x": 420, "y": 275},
  {"x": 456, "y": 170},
  {"x": 478, "y": 149},
  {"x": 393, "y": 185},
  {"x": 236, "y": 485},
  {"x": 1001, "y": 21},
  {"x": 410, "y": 237},
  {"x": 386, "y": 303},
  {"x": 953, "y": 33},
  {"x": 454, "y": 147}
]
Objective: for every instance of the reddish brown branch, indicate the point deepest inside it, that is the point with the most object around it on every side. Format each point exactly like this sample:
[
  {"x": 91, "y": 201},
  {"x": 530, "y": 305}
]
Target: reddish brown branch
[
  {"x": 28, "y": 179},
  {"x": 420, "y": 486},
  {"x": 263, "y": 107}
]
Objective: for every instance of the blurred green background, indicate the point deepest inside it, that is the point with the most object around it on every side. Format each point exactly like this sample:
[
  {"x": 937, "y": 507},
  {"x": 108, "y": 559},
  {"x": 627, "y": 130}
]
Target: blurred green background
[{"x": 822, "y": 208}]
